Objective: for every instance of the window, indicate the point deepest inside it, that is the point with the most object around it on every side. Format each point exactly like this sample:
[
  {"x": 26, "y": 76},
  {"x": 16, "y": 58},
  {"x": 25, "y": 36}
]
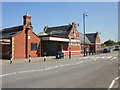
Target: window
[
  {"x": 56, "y": 32},
  {"x": 33, "y": 46}
]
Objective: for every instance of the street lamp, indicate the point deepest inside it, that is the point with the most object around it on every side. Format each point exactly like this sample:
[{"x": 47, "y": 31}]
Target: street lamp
[
  {"x": 69, "y": 47},
  {"x": 84, "y": 15}
]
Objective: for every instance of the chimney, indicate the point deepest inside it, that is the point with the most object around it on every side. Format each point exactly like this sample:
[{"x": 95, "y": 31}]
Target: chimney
[
  {"x": 45, "y": 28},
  {"x": 27, "y": 19},
  {"x": 73, "y": 24}
]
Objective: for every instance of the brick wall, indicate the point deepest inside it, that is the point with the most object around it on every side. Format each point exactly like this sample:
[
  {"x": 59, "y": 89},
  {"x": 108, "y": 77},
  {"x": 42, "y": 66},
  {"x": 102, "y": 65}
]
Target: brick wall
[
  {"x": 34, "y": 39},
  {"x": 74, "y": 48},
  {"x": 18, "y": 46},
  {"x": 21, "y": 45},
  {"x": 97, "y": 43}
]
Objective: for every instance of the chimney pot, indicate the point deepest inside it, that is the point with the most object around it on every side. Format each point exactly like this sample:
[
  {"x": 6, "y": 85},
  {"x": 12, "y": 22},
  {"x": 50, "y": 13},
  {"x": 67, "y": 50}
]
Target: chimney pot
[{"x": 45, "y": 28}]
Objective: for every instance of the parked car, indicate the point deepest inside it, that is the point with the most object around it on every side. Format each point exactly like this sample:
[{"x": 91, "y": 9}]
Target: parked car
[
  {"x": 116, "y": 48},
  {"x": 106, "y": 50}
]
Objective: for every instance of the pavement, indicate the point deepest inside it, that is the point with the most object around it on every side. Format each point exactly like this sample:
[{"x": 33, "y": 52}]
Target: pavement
[
  {"x": 95, "y": 71},
  {"x": 35, "y": 60}
]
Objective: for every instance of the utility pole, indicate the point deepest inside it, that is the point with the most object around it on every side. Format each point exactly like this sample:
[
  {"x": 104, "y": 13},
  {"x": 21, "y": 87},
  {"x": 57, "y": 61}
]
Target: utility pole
[{"x": 84, "y": 15}]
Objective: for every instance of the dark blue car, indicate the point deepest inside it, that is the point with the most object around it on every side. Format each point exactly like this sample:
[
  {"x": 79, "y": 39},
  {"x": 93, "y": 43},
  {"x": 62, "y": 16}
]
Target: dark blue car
[{"x": 106, "y": 50}]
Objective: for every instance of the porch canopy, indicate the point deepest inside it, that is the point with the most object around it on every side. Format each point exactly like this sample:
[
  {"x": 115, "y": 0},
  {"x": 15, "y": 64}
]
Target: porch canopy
[{"x": 57, "y": 38}]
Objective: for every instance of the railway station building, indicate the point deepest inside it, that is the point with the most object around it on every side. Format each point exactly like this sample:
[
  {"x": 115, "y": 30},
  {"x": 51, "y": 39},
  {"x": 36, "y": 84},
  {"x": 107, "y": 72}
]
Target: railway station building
[{"x": 21, "y": 42}]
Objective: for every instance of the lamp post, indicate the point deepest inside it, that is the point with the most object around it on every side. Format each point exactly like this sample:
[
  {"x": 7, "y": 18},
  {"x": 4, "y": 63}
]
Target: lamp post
[
  {"x": 70, "y": 48},
  {"x": 84, "y": 15}
]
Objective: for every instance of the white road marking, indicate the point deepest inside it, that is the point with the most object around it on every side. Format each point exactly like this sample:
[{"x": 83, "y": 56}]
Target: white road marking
[
  {"x": 113, "y": 82},
  {"x": 48, "y": 68},
  {"x": 56, "y": 66},
  {"x": 111, "y": 85},
  {"x": 26, "y": 71},
  {"x": 8, "y": 74},
  {"x": 109, "y": 57},
  {"x": 61, "y": 65},
  {"x": 40, "y": 69},
  {"x": 115, "y": 57},
  {"x": 117, "y": 78},
  {"x": 102, "y": 57},
  {"x": 79, "y": 62},
  {"x": 97, "y": 57},
  {"x": 85, "y": 57}
]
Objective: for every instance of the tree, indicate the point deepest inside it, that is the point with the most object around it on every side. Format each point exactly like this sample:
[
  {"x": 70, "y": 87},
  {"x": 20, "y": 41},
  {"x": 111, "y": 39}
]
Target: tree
[
  {"x": 109, "y": 43},
  {"x": 118, "y": 43}
]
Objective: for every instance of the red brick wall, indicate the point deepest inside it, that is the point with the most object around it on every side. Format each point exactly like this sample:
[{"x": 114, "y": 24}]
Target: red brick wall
[
  {"x": 74, "y": 47},
  {"x": 19, "y": 45},
  {"x": 33, "y": 39},
  {"x": 97, "y": 46},
  {"x": 72, "y": 53}
]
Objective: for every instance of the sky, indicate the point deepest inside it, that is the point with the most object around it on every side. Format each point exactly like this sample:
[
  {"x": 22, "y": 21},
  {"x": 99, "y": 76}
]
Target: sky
[{"x": 102, "y": 16}]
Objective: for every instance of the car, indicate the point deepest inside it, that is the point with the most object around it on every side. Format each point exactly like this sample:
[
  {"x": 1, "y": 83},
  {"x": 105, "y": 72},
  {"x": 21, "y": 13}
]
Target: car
[
  {"x": 116, "y": 48},
  {"x": 106, "y": 50}
]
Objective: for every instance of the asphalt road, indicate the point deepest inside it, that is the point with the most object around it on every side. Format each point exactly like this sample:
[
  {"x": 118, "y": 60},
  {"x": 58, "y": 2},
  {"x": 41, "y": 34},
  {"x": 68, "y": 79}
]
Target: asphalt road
[{"x": 97, "y": 71}]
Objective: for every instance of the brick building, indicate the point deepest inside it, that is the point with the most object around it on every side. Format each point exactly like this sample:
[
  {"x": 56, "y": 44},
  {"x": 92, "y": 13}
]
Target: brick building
[
  {"x": 92, "y": 42},
  {"x": 87, "y": 43},
  {"x": 20, "y": 41},
  {"x": 95, "y": 39},
  {"x": 64, "y": 39}
]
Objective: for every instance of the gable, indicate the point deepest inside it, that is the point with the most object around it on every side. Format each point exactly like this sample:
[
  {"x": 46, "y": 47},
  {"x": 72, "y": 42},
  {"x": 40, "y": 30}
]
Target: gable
[
  {"x": 91, "y": 37},
  {"x": 97, "y": 39},
  {"x": 35, "y": 36},
  {"x": 86, "y": 39},
  {"x": 74, "y": 34}
]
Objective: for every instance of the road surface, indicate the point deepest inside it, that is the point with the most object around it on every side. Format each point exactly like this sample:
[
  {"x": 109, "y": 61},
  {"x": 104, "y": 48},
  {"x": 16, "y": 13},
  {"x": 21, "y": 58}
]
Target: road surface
[{"x": 95, "y": 71}]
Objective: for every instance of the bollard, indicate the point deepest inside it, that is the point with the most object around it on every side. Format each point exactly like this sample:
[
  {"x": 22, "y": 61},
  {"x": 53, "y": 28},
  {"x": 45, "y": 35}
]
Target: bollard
[
  {"x": 10, "y": 60},
  {"x": 29, "y": 58},
  {"x": 58, "y": 56},
  {"x": 86, "y": 53},
  {"x": 44, "y": 58}
]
